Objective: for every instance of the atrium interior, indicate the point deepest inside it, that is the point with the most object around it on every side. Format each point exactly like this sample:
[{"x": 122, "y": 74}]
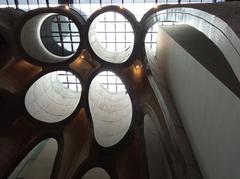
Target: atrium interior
[{"x": 110, "y": 89}]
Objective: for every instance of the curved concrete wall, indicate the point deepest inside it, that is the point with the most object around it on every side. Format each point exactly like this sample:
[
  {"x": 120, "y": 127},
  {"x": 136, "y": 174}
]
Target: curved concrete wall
[
  {"x": 38, "y": 163},
  {"x": 111, "y": 114},
  {"x": 212, "y": 26},
  {"x": 49, "y": 101},
  {"x": 96, "y": 173},
  {"x": 210, "y": 112},
  {"x": 30, "y": 34},
  {"x": 153, "y": 148}
]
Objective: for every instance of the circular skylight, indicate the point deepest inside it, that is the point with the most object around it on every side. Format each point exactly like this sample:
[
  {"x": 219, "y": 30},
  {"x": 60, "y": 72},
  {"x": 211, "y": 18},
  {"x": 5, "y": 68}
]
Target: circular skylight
[
  {"x": 114, "y": 32},
  {"x": 52, "y": 98},
  {"x": 111, "y": 37}
]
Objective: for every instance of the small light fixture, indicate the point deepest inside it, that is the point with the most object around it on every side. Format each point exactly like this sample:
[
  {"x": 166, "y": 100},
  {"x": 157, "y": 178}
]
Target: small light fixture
[
  {"x": 121, "y": 6},
  {"x": 82, "y": 56},
  {"x": 67, "y": 7},
  {"x": 138, "y": 66},
  {"x": 155, "y": 6}
]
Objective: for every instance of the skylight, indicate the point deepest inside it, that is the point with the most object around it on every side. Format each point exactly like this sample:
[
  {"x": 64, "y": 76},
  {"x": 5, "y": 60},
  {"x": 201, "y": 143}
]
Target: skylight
[
  {"x": 111, "y": 82},
  {"x": 114, "y": 32},
  {"x": 87, "y": 7},
  {"x": 66, "y": 33},
  {"x": 69, "y": 80}
]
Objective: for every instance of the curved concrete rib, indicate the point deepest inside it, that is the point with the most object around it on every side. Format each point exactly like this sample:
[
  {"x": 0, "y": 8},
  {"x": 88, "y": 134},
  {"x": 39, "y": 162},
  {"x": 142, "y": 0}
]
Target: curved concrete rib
[
  {"x": 213, "y": 27},
  {"x": 38, "y": 163},
  {"x": 96, "y": 172},
  {"x": 102, "y": 52},
  {"x": 111, "y": 114},
  {"x": 49, "y": 101}
]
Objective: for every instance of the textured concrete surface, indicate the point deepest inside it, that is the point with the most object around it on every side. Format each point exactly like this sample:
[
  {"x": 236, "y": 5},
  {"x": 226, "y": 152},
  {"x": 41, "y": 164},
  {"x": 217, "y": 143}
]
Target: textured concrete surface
[
  {"x": 154, "y": 148},
  {"x": 111, "y": 114},
  {"x": 49, "y": 101}
]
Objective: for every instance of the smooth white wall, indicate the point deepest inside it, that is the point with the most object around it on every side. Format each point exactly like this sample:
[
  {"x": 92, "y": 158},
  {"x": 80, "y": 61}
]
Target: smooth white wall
[
  {"x": 210, "y": 112},
  {"x": 103, "y": 53}
]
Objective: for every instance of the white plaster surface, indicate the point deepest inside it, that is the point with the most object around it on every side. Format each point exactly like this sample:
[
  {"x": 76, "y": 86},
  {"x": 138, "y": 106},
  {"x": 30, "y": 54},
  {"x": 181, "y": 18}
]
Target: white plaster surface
[
  {"x": 111, "y": 114},
  {"x": 49, "y": 101}
]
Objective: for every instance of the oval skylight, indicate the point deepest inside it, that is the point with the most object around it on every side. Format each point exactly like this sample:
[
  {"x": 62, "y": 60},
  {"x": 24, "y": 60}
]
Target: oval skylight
[
  {"x": 96, "y": 173},
  {"x": 53, "y": 97},
  {"x": 55, "y": 37},
  {"x": 111, "y": 109},
  {"x": 111, "y": 37}
]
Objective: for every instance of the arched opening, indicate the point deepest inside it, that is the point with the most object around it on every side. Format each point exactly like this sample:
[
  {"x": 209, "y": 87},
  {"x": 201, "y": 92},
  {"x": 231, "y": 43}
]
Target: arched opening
[
  {"x": 53, "y": 97},
  {"x": 38, "y": 163},
  {"x": 55, "y": 37},
  {"x": 111, "y": 37},
  {"x": 96, "y": 173},
  {"x": 110, "y": 107}
]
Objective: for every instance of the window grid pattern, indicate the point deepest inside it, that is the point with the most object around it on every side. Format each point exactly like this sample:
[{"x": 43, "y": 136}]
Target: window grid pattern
[
  {"x": 69, "y": 80},
  {"x": 87, "y": 7},
  {"x": 114, "y": 32},
  {"x": 111, "y": 82},
  {"x": 151, "y": 36},
  {"x": 65, "y": 34}
]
